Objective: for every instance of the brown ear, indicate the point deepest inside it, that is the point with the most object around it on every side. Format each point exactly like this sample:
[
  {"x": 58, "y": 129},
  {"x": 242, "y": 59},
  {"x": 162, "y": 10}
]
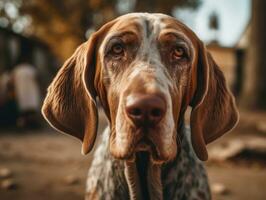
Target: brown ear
[
  {"x": 70, "y": 105},
  {"x": 213, "y": 106}
]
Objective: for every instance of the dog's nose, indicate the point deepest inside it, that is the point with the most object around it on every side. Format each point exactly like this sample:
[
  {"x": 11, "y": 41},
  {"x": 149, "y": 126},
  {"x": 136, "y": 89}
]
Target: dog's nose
[{"x": 145, "y": 109}]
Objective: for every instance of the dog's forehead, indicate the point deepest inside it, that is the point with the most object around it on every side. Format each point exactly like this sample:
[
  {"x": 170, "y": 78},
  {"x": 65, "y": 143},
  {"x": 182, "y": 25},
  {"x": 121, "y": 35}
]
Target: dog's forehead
[
  {"x": 146, "y": 23},
  {"x": 147, "y": 28},
  {"x": 141, "y": 19}
]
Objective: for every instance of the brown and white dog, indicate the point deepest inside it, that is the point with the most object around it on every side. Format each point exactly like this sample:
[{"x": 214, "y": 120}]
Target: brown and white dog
[{"x": 146, "y": 69}]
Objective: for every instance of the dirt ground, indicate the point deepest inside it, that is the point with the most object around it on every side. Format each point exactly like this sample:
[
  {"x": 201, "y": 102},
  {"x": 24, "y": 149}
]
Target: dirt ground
[{"x": 47, "y": 165}]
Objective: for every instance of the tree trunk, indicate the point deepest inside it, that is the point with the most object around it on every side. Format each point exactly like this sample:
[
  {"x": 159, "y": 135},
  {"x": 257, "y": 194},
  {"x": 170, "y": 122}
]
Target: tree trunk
[{"x": 254, "y": 82}]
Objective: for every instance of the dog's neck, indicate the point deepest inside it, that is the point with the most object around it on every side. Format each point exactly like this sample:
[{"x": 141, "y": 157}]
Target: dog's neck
[{"x": 144, "y": 177}]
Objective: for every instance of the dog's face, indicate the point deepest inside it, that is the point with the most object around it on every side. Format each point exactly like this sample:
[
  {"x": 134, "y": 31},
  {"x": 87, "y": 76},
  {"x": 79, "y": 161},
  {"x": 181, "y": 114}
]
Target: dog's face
[
  {"x": 146, "y": 69},
  {"x": 146, "y": 62}
]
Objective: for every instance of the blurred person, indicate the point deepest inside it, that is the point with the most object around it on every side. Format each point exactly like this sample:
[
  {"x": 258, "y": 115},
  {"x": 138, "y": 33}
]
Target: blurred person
[
  {"x": 8, "y": 105},
  {"x": 4, "y": 78},
  {"x": 27, "y": 93}
]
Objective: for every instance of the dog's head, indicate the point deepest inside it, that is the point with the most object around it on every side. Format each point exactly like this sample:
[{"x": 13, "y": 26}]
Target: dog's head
[{"x": 146, "y": 70}]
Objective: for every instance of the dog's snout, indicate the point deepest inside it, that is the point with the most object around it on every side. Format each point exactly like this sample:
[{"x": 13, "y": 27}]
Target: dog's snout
[{"x": 145, "y": 109}]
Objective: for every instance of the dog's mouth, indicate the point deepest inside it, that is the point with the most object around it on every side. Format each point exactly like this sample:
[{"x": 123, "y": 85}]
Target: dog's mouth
[
  {"x": 132, "y": 139},
  {"x": 146, "y": 139},
  {"x": 147, "y": 148}
]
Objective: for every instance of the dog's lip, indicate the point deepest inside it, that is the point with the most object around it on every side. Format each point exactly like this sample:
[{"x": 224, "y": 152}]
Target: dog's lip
[
  {"x": 146, "y": 145},
  {"x": 143, "y": 145}
]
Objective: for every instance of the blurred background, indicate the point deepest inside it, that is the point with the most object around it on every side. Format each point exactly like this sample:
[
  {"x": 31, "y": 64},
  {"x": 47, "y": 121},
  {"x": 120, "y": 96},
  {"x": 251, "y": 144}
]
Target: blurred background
[{"x": 36, "y": 36}]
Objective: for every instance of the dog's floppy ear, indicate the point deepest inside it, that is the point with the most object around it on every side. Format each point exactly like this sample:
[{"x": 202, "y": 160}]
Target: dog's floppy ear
[
  {"x": 213, "y": 106},
  {"x": 70, "y": 103}
]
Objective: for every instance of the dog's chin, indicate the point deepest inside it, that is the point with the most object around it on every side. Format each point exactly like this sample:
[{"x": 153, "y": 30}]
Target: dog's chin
[
  {"x": 143, "y": 147},
  {"x": 153, "y": 155},
  {"x": 146, "y": 147},
  {"x": 141, "y": 143}
]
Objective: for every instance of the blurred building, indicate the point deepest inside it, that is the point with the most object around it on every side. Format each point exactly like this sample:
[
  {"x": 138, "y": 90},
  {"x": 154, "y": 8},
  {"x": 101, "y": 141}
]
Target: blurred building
[
  {"x": 17, "y": 51},
  {"x": 225, "y": 57},
  {"x": 13, "y": 46},
  {"x": 231, "y": 60}
]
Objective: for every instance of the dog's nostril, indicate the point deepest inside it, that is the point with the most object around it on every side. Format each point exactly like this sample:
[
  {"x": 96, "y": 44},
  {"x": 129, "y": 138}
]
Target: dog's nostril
[
  {"x": 148, "y": 109},
  {"x": 156, "y": 112},
  {"x": 135, "y": 112}
]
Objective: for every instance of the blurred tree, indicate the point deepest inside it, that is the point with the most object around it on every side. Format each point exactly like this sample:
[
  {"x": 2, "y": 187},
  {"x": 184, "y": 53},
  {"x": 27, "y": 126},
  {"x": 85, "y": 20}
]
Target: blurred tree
[
  {"x": 11, "y": 17},
  {"x": 64, "y": 24},
  {"x": 254, "y": 86},
  {"x": 164, "y": 6}
]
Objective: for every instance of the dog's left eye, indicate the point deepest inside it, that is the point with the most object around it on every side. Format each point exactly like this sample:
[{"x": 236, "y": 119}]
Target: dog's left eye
[{"x": 117, "y": 49}]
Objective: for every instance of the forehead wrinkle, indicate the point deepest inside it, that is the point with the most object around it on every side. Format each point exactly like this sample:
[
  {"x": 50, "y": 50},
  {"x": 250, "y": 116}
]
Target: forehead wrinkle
[
  {"x": 148, "y": 27},
  {"x": 151, "y": 28},
  {"x": 125, "y": 24},
  {"x": 175, "y": 25},
  {"x": 122, "y": 35},
  {"x": 178, "y": 33}
]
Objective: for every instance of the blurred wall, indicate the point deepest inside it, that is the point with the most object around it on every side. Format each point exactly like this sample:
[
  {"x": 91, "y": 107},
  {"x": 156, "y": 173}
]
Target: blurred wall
[{"x": 226, "y": 59}]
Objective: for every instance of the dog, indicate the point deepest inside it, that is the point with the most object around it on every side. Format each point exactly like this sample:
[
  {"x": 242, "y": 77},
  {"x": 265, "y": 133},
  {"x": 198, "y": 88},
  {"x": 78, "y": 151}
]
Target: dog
[{"x": 146, "y": 70}]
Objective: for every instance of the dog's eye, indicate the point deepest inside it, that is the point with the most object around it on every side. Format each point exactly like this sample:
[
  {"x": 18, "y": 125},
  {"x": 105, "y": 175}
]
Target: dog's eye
[
  {"x": 117, "y": 49},
  {"x": 178, "y": 53}
]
